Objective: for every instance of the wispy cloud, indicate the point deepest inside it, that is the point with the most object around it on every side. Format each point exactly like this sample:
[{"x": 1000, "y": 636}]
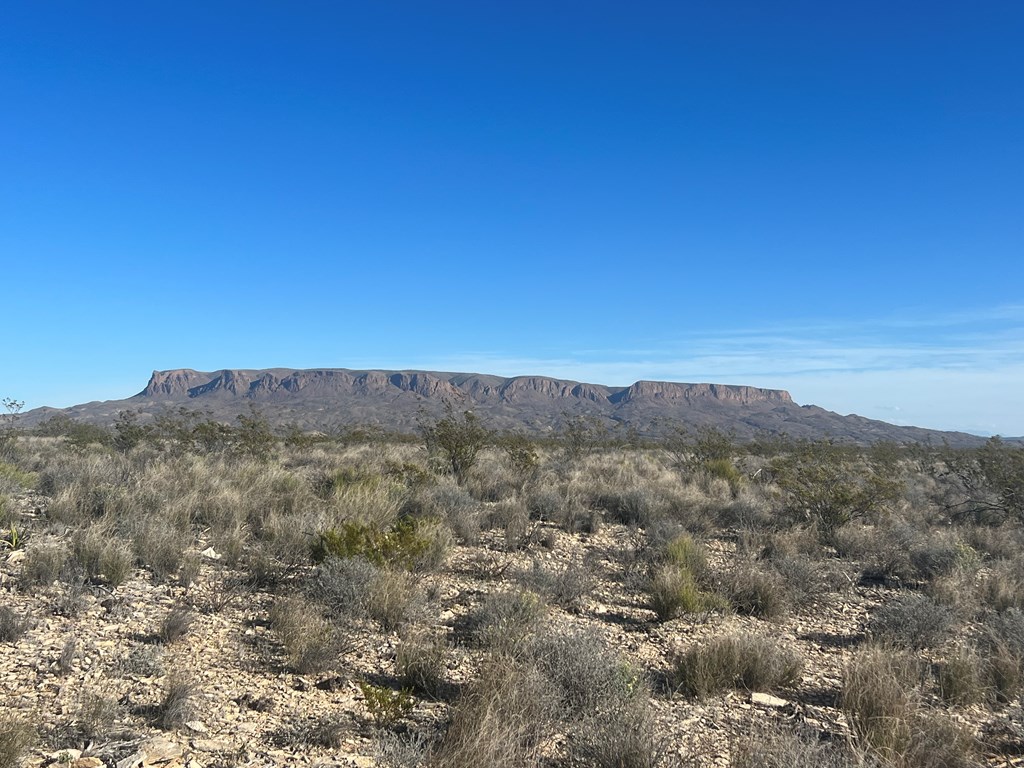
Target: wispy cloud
[{"x": 965, "y": 372}]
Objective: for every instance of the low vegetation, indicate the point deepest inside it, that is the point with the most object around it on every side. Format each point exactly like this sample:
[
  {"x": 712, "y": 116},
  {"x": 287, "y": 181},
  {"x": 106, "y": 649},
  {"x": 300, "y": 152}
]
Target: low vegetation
[{"x": 467, "y": 598}]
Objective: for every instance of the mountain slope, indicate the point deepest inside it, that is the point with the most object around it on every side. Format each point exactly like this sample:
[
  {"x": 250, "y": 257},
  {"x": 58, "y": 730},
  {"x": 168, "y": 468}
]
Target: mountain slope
[{"x": 331, "y": 398}]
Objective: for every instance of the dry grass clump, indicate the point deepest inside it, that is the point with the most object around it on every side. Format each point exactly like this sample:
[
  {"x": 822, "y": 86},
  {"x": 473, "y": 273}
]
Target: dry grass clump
[
  {"x": 1002, "y": 645},
  {"x": 354, "y": 588},
  {"x": 564, "y": 586},
  {"x": 420, "y": 661},
  {"x": 743, "y": 661},
  {"x": 882, "y": 701},
  {"x": 456, "y": 507},
  {"x": 500, "y": 720},
  {"x": 43, "y": 564},
  {"x": 16, "y": 736},
  {"x": 311, "y": 643},
  {"x": 102, "y": 555},
  {"x": 178, "y": 704},
  {"x": 175, "y": 625},
  {"x": 961, "y": 677},
  {"x": 678, "y": 573},
  {"x": 753, "y": 590},
  {"x": 96, "y": 715},
  {"x": 622, "y": 736}
]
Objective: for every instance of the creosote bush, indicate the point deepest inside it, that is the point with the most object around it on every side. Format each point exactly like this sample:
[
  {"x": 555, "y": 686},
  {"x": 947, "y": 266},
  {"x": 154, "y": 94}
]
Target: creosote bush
[{"x": 410, "y": 543}]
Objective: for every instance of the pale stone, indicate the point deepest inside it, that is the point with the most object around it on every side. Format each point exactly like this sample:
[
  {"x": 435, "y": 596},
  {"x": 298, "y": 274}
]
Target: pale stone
[{"x": 767, "y": 700}]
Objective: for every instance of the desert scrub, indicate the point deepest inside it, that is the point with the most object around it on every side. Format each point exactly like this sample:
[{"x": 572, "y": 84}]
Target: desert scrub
[
  {"x": 501, "y": 719},
  {"x": 882, "y": 702},
  {"x": 415, "y": 544},
  {"x": 16, "y": 736},
  {"x": 753, "y": 590},
  {"x": 621, "y": 736},
  {"x": 311, "y": 643},
  {"x": 743, "y": 661},
  {"x": 587, "y": 675},
  {"x": 911, "y": 621},
  {"x": 827, "y": 486},
  {"x": 455, "y": 441},
  {"x": 505, "y": 620},
  {"x": 11, "y": 627}
]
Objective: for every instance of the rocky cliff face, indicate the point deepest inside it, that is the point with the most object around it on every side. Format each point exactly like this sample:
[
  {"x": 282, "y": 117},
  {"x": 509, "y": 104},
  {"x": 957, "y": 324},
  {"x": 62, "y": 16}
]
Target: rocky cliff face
[
  {"x": 333, "y": 398},
  {"x": 257, "y": 385}
]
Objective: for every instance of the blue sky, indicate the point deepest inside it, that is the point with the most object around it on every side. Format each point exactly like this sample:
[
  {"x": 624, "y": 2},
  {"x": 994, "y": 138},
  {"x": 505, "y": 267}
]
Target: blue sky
[{"x": 825, "y": 197}]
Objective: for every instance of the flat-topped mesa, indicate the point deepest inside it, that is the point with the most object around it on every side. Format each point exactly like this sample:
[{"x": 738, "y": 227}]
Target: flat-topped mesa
[{"x": 723, "y": 393}]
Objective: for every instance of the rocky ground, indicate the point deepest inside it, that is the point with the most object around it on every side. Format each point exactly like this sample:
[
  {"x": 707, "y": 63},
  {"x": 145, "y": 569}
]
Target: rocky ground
[{"x": 91, "y": 670}]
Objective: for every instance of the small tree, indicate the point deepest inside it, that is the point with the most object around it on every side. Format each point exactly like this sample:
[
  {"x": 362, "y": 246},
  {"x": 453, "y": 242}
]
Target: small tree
[
  {"x": 458, "y": 440},
  {"x": 8, "y": 434},
  {"x": 827, "y": 486},
  {"x": 128, "y": 433},
  {"x": 986, "y": 485}
]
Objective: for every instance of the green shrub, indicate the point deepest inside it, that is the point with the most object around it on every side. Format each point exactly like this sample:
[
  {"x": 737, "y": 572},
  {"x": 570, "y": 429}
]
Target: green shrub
[
  {"x": 409, "y": 543},
  {"x": 456, "y": 440},
  {"x": 385, "y": 705},
  {"x": 735, "y": 661}
]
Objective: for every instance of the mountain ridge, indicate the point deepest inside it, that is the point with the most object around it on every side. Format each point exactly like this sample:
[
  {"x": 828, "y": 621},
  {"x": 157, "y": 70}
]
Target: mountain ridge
[{"x": 332, "y": 398}]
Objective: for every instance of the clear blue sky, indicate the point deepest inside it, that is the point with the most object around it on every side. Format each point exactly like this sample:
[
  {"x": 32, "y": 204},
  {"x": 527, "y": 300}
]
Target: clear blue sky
[{"x": 825, "y": 197}]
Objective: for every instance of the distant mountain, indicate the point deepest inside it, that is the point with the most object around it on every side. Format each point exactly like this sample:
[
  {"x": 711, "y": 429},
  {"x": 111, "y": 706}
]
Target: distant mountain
[{"x": 331, "y": 398}]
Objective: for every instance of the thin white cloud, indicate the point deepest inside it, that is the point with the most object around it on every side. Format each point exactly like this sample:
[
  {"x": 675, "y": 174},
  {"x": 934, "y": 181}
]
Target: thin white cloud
[{"x": 969, "y": 376}]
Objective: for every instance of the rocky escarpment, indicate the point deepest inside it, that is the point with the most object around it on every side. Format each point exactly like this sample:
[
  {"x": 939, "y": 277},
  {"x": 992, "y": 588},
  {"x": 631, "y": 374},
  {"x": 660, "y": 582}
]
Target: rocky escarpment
[
  {"x": 263, "y": 384},
  {"x": 337, "y": 398}
]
